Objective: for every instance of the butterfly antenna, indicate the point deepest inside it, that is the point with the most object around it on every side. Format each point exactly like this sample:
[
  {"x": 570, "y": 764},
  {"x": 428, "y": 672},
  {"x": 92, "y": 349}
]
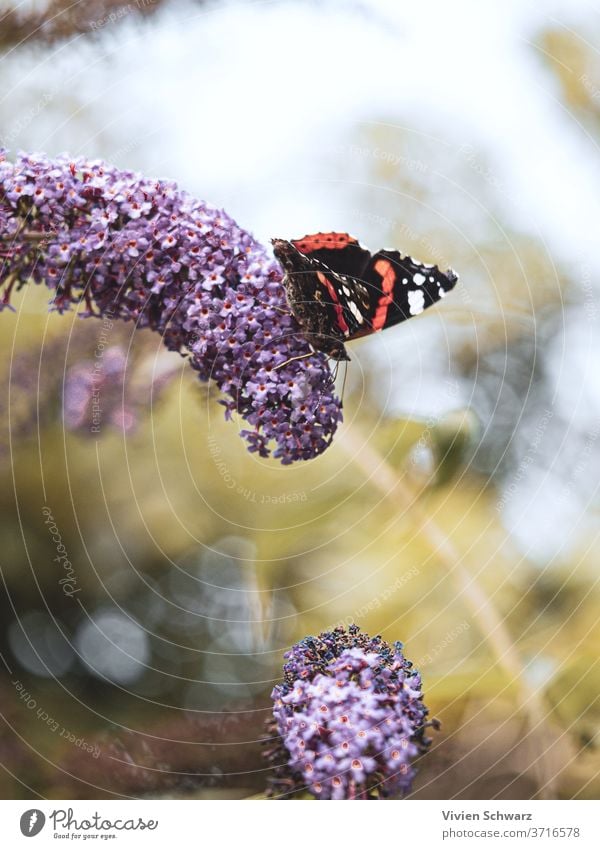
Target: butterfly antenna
[{"x": 273, "y": 307}]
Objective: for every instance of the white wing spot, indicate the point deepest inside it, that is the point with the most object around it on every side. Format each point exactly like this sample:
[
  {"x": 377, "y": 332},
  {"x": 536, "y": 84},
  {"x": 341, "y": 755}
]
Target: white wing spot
[
  {"x": 405, "y": 279},
  {"x": 356, "y": 312},
  {"x": 431, "y": 278},
  {"x": 346, "y": 291},
  {"x": 419, "y": 279},
  {"x": 416, "y": 302},
  {"x": 442, "y": 292}
]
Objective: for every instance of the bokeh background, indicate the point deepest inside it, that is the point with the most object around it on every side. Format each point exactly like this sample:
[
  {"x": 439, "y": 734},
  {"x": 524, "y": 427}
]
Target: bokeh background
[{"x": 457, "y": 509}]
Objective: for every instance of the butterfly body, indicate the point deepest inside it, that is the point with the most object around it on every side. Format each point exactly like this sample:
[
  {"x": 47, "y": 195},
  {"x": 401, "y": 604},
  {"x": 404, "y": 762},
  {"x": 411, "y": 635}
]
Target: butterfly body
[{"x": 339, "y": 291}]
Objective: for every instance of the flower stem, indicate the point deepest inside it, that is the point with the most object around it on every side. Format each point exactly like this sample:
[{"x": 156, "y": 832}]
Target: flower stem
[{"x": 491, "y": 624}]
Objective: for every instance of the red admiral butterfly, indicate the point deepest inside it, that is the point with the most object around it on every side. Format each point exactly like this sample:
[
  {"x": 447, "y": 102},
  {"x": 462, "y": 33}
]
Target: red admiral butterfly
[{"x": 339, "y": 291}]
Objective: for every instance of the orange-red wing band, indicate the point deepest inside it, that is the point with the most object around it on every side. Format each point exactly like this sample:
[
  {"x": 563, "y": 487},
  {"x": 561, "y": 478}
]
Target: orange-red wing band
[
  {"x": 336, "y": 304},
  {"x": 388, "y": 278},
  {"x": 330, "y": 241}
]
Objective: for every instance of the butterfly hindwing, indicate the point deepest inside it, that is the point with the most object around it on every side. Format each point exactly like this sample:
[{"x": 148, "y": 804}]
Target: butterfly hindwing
[
  {"x": 312, "y": 292},
  {"x": 351, "y": 299}
]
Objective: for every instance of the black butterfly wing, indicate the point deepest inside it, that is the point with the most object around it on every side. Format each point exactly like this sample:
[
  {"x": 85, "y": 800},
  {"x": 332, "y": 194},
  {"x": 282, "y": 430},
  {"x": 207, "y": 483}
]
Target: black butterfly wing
[{"x": 399, "y": 288}]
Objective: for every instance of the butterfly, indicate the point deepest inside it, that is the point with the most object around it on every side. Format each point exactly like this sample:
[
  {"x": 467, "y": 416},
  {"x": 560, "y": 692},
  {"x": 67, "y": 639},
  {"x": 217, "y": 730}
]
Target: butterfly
[{"x": 339, "y": 291}]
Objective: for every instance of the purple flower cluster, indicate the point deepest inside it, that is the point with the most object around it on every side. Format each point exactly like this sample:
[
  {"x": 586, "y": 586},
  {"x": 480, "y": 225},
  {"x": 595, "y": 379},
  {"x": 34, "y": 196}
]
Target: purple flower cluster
[
  {"x": 126, "y": 247},
  {"x": 349, "y": 717}
]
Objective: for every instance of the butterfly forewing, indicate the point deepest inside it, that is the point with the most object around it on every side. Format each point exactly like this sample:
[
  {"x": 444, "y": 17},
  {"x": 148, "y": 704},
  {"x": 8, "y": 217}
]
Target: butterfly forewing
[
  {"x": 401, "y": 287},
  {"x": 338, "y": 252}
]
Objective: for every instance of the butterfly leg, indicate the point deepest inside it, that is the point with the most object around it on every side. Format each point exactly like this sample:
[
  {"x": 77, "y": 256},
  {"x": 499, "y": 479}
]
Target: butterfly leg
[{"x": 293, "y": 359}]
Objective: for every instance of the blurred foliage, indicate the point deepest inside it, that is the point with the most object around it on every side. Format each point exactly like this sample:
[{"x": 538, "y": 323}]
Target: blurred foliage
[
  {"x": 57, "y": 20},
  {"x": 572, "y": 57},
  {"x": 199, "y": 564}
]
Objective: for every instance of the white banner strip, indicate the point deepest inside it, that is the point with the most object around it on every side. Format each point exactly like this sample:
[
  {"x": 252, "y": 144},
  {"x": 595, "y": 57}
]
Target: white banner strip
[{"x": 198, "y": 823}]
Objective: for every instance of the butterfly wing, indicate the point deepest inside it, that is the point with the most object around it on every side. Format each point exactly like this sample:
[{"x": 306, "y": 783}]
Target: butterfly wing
[
  {"x": 338, "y": 252},
  {"x": 399, "y": 288},
  {"x": 339, "y": 291},
  {"x": 351, "y": 299},
  {"x": 312, "y": 293},
  {"x": 339, "y": 262}
]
